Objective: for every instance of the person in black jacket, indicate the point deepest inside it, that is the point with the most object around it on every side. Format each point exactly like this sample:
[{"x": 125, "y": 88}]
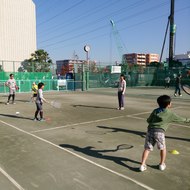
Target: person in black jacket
[{"x": 178, "y": 86}]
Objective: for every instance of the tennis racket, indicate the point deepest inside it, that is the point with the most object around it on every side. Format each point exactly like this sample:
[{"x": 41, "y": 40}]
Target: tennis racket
[
  {"x": 55, "y": 104},
  {"x": 17, "y": 87},
  {"x": 186, "y": 88}
]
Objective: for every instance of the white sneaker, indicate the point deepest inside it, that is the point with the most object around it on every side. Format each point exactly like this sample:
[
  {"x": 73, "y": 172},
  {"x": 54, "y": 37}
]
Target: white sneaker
[
  {"x": 162, "y": 167},
  {"x": 143, "y": 168},
  {"x": 180, "y": 95},
  {"x": 122, "y": 108},
  {"x": 175, "y": 94}
]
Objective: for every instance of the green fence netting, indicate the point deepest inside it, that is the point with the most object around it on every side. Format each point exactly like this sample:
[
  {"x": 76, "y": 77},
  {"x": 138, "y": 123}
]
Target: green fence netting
[{"x": 100, "y": 78}]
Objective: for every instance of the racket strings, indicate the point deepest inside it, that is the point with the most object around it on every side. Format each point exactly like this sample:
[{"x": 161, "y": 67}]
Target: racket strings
[
  {"x": 55, "y": 104},
  {"x": 186, "y": 89}
]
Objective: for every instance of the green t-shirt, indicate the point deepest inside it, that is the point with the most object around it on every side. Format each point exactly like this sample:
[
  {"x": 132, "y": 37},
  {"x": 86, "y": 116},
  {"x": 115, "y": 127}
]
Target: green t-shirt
[{"x": 161, "y": 118}]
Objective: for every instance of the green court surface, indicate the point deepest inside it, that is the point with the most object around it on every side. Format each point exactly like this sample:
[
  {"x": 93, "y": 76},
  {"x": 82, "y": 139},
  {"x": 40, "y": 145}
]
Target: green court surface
[{"x": 88, "y": 144}]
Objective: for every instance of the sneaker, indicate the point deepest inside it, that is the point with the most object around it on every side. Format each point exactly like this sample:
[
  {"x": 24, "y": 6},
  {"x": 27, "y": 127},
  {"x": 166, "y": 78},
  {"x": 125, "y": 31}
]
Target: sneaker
[
  {"x": 162, "y": 166},
  {"x": 175, "y": 94},
  {"x": 118, "y": 108},
  {"x": 7, "y": 103},
  {"x": 143, "y": 168},
  {"x": 180, "y": 95},
  {"x": 42, "y": 119},
  {"x": 122, "y": 108},
  {"x": 35, "y": 119},
  {"x": 13, "y": 103}
]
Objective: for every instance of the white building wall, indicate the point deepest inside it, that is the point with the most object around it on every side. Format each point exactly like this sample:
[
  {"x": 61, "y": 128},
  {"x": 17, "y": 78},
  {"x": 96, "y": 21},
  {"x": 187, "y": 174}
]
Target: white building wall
[
  {"x": 182, "y": 56},
  {"x": 17, "y": 32}
]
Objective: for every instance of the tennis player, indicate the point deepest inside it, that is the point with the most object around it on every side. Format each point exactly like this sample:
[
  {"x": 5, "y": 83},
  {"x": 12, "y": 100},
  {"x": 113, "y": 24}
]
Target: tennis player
[
  {"x": 11, "y": 83},
  {"x": 34, "y": 91},
  {"x": 159, "y": 121},
  {"x": 121, "y": 92},
  {"x": 39, "y": 103}
]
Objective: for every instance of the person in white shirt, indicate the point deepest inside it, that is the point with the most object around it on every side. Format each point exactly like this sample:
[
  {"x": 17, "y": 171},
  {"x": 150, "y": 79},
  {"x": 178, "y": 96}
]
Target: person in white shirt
[
  {"x": 39, "y": 102},
  {"x": 167, "y": 82},
  {"x": 11, "y": 83},
  {"x": 121, "y": 92}
]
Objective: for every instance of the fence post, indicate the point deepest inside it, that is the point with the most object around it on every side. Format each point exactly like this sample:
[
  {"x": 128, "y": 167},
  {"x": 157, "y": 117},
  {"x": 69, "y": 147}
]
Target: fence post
[
  {"x": 83, "y": 78},
  {"x": 19, "y": 86},
  {"x": 87, "y": 80}
]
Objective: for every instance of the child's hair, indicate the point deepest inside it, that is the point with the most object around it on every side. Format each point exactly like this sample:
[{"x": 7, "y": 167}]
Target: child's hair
[
  {"x": 11, "y": 75},
  {"x": 163, "y": 101},
  {"x": 40, "y": 85},
  {"x": 122, "y": 75}
]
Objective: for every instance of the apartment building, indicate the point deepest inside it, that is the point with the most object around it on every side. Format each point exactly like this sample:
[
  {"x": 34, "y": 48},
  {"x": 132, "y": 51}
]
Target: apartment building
[
  {"x": 67, "y": 66},
  {"x": 141, "y": 58}
]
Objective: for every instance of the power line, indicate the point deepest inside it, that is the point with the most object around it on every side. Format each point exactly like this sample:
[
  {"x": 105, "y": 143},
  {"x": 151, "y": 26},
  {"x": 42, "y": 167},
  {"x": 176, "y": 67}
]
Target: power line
[
  {"x": 41, "y": 3},
  {"x": 68, "y": 9},
  {"x": 86, "y": 14},
  {"x": 130, "y": 26},
  {"x": 48, "y": 8},
  {"x": 98, "y": 20},
  {"x": 92, "y": 23}
]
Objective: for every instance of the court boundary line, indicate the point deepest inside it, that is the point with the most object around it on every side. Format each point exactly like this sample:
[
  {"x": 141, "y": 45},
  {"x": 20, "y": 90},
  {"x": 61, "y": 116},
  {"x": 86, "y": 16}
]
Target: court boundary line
[
  {"x": 86, "y": 122},
  {"x": 75, "y": 124},
  {"x": 81, "y": 157},
  {"x": 11, "y": 179},
  {"x": 95, "y": 121}
]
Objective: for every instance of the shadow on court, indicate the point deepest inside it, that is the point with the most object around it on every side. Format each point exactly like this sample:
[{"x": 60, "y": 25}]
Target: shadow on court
[
  {"x": 15, "y": 116},
  {"x": 90, "y": 151},
  {"x": 88, "y": 106},
  {"x": 139, "y": 133}
]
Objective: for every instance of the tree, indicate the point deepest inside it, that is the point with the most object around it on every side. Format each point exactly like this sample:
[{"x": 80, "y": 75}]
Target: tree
[
  {"x": 39, "y": 62},
  {"x": 154, "y": 64}
]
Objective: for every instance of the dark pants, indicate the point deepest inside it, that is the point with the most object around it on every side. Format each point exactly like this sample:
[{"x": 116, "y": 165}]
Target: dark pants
[
  {"x": 121, "y": 99},
  {"x": 39, "y": 110},
  {"x": 13, "y": 97},
  {"x": 167, "y": 85},
  {"x": 177, "y": 89}
]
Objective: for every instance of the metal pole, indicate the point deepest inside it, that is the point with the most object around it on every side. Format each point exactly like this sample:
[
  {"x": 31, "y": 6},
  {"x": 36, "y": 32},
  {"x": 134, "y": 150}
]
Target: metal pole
[
  {"x": 87, "y": 72},
  {"x": 172, "y": 32},
  {"x": 164, "y": 40}
]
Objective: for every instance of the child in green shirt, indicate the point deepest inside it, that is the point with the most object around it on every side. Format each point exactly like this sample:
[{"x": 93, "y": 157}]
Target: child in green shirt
[{"x": 159, "y": 121}]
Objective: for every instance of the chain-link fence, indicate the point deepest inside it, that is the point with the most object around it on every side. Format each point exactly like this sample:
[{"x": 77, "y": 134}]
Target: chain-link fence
[{"x": 86, "y": 77}]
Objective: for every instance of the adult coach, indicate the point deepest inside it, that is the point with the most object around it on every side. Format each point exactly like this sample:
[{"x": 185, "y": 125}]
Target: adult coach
[
  {"x": 121, "y": 92},
  {"x": 11, "y": 83},
  {"x": 177, "y": 86}
]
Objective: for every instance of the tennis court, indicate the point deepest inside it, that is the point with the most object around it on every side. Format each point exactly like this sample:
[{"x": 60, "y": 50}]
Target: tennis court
[{"x": 88, "y": 144}]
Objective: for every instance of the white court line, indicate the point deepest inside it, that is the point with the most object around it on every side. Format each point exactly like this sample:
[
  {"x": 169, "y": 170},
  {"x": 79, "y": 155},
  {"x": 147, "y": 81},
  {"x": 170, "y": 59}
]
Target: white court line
[
  {"x": 140, "y": 113},
  {"x": 81, "y": 157},
  {"x": 134, "y": 117},
  {"x": 86, "y": 122},
  {"x": 10, "y": 179},
  {"x": 94, "y": 121},
  {"x": 75, "y": 124}
]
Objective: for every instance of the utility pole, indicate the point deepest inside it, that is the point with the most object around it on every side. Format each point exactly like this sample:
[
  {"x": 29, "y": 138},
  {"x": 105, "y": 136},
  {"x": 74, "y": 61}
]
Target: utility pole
[{"x": 172, "y": 33}]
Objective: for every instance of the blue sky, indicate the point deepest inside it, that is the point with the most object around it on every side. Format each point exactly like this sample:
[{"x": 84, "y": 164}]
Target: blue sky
[{"x": 66, "y": 26}]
